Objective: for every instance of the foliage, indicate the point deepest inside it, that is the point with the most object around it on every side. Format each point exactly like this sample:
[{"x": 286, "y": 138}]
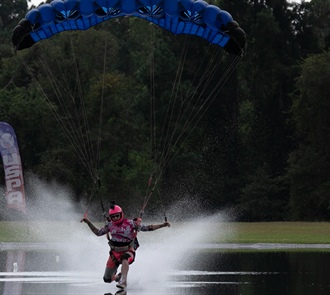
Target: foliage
[
  {"x": 261, "y": 147},
  {"x": 309, "y": 163},
  {"x": 11, "y": 11}
]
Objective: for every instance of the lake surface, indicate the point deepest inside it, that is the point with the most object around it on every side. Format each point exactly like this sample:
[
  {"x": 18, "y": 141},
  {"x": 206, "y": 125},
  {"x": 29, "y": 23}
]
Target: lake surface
[{"x": 69, "y": 269}]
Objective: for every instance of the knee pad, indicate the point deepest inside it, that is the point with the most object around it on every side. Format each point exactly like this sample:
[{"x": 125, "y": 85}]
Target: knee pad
[{"x": 125, "y": 256}]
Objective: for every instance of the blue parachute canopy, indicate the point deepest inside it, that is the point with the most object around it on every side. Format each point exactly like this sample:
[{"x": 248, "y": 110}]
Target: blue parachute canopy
[{"x": 177, "y": 16}]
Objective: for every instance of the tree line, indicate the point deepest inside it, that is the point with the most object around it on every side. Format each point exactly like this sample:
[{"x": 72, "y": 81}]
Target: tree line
[{"x": 261, "y": 148}]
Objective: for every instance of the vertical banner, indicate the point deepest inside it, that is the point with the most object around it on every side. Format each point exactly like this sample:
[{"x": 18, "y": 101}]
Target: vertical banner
[{"x": 15, "y": 194}]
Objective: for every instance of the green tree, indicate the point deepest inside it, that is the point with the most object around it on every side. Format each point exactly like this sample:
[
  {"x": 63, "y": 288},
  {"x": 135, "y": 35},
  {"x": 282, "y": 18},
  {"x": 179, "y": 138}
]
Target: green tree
[
  {"x": 11, "y": 11},
  {"x": 309, "y": 164},
  {"x": 264, "y": 135},
  {"x": 319, "y": 21},
  {"x": 238, "y": 154}
]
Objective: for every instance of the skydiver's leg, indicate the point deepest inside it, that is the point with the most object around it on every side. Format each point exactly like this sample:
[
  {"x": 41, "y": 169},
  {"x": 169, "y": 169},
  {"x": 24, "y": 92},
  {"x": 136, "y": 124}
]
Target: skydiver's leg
[
  {"x": 124, "y": 271},
  {"x": 110, "y": 270},
  {"x": 124, "y": 268},
  {"x": 126, "y": 259}
]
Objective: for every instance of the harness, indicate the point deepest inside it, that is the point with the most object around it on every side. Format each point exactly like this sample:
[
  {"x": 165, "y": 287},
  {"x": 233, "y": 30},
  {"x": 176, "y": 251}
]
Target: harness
[{"x": 121, "y": 247}]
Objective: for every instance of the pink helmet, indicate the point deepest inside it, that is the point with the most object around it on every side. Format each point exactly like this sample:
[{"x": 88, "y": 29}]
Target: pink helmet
[{"x": 114, "y": 210}]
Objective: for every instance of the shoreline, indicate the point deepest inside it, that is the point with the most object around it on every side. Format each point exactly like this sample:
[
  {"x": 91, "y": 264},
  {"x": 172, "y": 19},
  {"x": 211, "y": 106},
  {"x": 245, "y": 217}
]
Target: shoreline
[{"x": 29, "y": 246}]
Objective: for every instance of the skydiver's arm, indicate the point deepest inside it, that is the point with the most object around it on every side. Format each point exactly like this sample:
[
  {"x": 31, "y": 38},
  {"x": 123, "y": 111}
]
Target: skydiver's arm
[
  {"x": 93, "y": 228},
  {"x": 154, "y": 226}
]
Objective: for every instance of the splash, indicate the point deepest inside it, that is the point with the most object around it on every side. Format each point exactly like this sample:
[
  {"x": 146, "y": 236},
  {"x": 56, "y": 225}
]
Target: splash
[
  {"x": 168, "y": 250},
  {"x": 162, "y": 253}
]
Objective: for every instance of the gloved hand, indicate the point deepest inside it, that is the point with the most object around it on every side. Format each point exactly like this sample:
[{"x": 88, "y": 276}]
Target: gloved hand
[{"x": 166, "y": 224}]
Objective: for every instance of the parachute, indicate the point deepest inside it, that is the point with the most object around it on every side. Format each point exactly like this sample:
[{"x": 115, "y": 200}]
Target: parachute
[
  {"x": 177, "y": 16},
  {"x": 15, "y": 193}
]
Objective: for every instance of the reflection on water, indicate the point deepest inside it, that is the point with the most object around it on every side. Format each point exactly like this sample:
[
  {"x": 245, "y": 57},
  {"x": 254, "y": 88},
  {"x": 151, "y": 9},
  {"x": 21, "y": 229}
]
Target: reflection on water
[
  {"x": 14, "y": 263},
  {"x": 208, "y": 272},
  {"x": 272, "y": 272}
]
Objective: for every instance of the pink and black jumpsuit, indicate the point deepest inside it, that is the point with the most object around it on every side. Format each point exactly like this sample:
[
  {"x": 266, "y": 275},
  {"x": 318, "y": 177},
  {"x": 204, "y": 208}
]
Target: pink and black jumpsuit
[{"x": 123, "y": 244}]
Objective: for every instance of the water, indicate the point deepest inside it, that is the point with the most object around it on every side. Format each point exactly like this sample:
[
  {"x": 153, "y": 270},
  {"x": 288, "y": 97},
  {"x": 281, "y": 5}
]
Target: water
[
  {"x": 69, "y": 269},
  {"x": 169, "y": 261}
]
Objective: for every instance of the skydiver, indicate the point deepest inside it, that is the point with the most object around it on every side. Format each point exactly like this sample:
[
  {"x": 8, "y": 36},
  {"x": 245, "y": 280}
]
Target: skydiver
[{"x": 123, "y": 242}]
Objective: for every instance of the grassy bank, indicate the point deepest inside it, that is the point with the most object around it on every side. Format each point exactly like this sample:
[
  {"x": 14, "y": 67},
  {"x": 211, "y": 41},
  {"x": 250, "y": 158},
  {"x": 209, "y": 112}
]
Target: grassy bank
[
  {"x": 231, "y": 232},
  {"x": 281, "y": 232},
  {"x": 39, "y": 231}
]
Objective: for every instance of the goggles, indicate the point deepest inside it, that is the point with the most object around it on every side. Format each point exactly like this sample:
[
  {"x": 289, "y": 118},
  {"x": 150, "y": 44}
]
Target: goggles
[{"x": 115, "y": 216}]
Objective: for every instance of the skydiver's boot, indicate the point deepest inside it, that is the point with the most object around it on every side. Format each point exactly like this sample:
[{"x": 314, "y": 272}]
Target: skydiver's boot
[
  {"x": 118, "y": 277},
  {"x": 122, "y": 284}
]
